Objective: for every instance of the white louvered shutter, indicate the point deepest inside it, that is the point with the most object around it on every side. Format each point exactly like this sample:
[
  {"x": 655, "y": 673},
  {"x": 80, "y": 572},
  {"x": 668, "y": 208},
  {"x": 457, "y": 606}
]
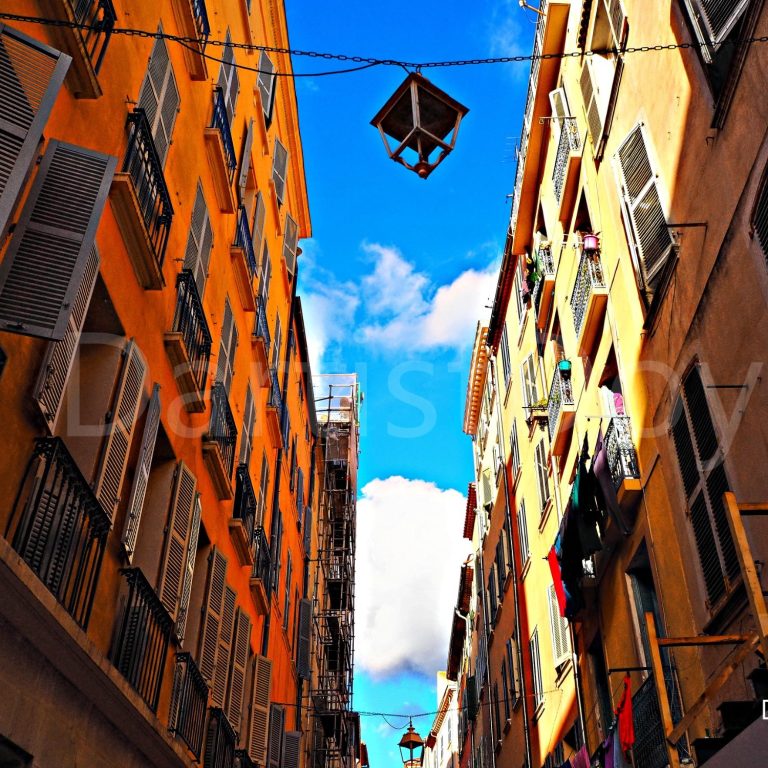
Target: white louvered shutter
[
  {"x": 159, "y": 97},
  {"x": 245, "y": 161},
  {"x": 189, "y": 571},
  {"x": 249, "y": 417},
  {"x": 212, "y": 610},
  {"x": 651, "y": 239},
  {"x": 227, "y": 344},
  {"x": 226, "y": 632},
  {"x": 276, "y": 727},
  {"x": 240, "y": 649},
  {"x": 279, "y": 169},
  {"x": 199, "y": 242},
  {"x": 141, "y": 478},
  {"x": 291, "y": 749},
  {"x": 259, "y": 715},
  {"x": 591, "y": 108},
  {"x": 229, "y": 81},
  {"x": 266, "y": 84},
  {"x": 305, "y": 639},
  {"x": 47, "y": 258},
  {"x": 60, "y": 356},
  {"x": 559, "y": 629},
  {"x": 290, "y": 243},
  {"x": 617, "y": 20},
  {"x": 177, "y": 534},
  {"x": 714, "y": 19},
  {"x": 559, "y": 104},
  {"x": 125, "y": 409}
]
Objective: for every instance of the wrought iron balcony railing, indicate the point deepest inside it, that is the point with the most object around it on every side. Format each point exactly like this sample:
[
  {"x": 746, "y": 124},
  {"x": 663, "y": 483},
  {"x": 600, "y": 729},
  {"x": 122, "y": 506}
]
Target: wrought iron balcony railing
[
  {"x": 622, "y": 457},
  {"x": 220, "y": 741},
  {"x": 220, "y": 121},
  {"x": 560, "y": 394},
  {"x": 262, "y": 559},
  {"x": 569, "y": 141},
  {"x": 588, "y": 277},
  {"x": 244, "y": 239},
  {"x": 650, "y": 746},
  {"x": 59, "y": 528},
  {"x": 262, "y": 326},
  {"x": 222, "y": 429},
  {"x": 98, "y": 19},
  {"x": 143, "y": 637},
  {"x": 189, "y": 320},
  {"x": 275, "y": 396},
  {"x": 244, "y": 508},
  {"x": 546, "y": 268},
  {"x": 143, "y": 165},
  {"x": 200, "y": 12},
  {"x": 189, "y": 699}
]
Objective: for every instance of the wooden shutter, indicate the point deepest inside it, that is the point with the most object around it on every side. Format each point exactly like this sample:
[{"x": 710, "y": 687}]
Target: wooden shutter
[
  {"x": 212, "y": 610},
  {"x": 245, "y": 161},
  {"x": 651, "y": 238},
  {"x": 226, "y": 634},
  {"x": 242, "y": 646},
  {"x": 263, "y": 487},
  {"x": 259, "y": 216},
  {"x": 291, "y": 749},
  {"x": 707, "y": 549},
  {"x": 701, "y": 418},
  {"x": 60, "y": 356},
  {"x": 290, "y": 243},
  {"x": 249, "y": 417},
  {"x": 266, "y": 83},
  {"x": 559, "y": 626},
  {"x": 189, "y": 571},
  {"x": 591, "y": 108},
  {"x": 617, "y": 19},
  {"x": 277, "y": 342},
  {"x": 229, "y": 81},
  {"x": 159, "y": 97},
  {"x": 227, "y": 344},
  {"x": 177, "y": 535},
  {"x": 713, "y": 20},
  {"x": 522, "y": 525},
  {"x": 125, "y": 409},
  {"x": 199, "y": 242},
  {"x": 305, "y": 638},
  {"x": 265, "y": 276},
  {"x": 141, "y": 478},
  {"x": 279, "y": 169},
  {"x": 308, "y": 532},
  {"x": 259, "y": 715},
  {"x": 686, "y": 457},
  {"x": 31, "y": 75},
  {"x": 276, "y": 725},
  {"x": 300, "y": 492},
  {"x": 47, "y": 258}
]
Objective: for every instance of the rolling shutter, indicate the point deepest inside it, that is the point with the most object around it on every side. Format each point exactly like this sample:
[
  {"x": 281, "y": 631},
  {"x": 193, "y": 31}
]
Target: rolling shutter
[
  {"x": 141, "y": 478},
  {"x": 259, "y": 716},
  {"x": 266, "y": 84},
  {"x": 227, "y": 344},
  {"x": 275, "y": 746},
  {"x": 159, "y": 97},
  {"x": 305, "y": 638},
  {"x": 31, "y": 75},
  {"x": 559, "y": 625},
  {"x": 249, "y": 417},
  {"x": 48, "y": 255},
  {"x": 228, "y": 78},
  {"x": 226, "y": 633},
  {"x": 279, "y": 169},
  {"x": 189, "y": 571},
  {"x": 177, "y": 539},
  {"x": 200, "y": 241},
  {"x": 245, "y": 161},
  {"x": 290, "y": 243},
  {"x": 713, "y": 20},
  {"x": 60, "y": 355},
  {"x": 242, "y": 645},
  {"x": 125, "y": 409},
  {"x": 291, "y": 749},
  {"x": 212, "y": 610}
]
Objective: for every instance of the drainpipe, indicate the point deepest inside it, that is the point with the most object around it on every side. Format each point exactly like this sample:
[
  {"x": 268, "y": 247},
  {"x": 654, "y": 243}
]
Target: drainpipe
[{"x": 486, "y": 671}]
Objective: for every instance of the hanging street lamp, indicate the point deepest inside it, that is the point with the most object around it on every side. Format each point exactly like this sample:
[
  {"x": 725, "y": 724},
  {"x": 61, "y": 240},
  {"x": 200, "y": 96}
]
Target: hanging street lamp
[
  {"x": 411, "y": 747},
  {"x": 423, "y": 120}
]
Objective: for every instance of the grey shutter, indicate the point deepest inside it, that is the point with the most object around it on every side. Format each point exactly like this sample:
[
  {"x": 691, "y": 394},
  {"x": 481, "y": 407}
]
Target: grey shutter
[
  {"x": 290, "y": 243},
  {"x": 31, "y": 75},
  {"x": 60, "y": 356},
  {"x": 591, "y": 108},
  {"x": 159, "y": 97},
  {"x": 308, "y": 532},
  {"x": 178, "y": 530},
  {"x": 226, "y": 633},
  {"x": 125, "y": 409},
  {"x": 200, "y": 241},
  {"x": 47, "y": 258},
  {"x": 265, "y": 276},
  {"x": 305, "y": 638},
  {"x": 651, "y": 237},
  {"x": 259, "y": 715},
  {"x": 189, "y": 571},
  {"x": 277, "y": 342},
  {"x": 212, "y": 609},
  {"x": 266, "y": 83},
  {"x": 279, "y": 169},
  {"x": 246, "y": 439},
  {"x": 242, "y": 645},
  {"x": 275, "y": 746},
  {"x": 291, "y": 749},
  {"x": 228, "y": 78},
  {"x": 227, "y": 344},
  {"x": 714, "y": 19},
  {"x": 245, "y": 161},
  {"x": 259, "y": 216},
  {"x": 141, "y": 478}
]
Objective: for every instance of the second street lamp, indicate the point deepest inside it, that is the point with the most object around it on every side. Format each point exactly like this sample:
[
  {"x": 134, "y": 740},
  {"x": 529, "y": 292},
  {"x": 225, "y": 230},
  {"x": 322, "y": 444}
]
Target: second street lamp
[{"x": 411, "y": 747}]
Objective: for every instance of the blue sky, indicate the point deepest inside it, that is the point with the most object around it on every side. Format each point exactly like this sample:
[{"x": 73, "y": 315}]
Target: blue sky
[{"x": 393, "y": 281}]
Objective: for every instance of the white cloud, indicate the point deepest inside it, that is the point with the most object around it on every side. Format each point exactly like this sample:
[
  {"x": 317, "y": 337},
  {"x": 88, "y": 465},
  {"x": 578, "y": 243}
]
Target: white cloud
[
  {"x": 509, "y": 32},
  {"x": 409, "y": 552}
]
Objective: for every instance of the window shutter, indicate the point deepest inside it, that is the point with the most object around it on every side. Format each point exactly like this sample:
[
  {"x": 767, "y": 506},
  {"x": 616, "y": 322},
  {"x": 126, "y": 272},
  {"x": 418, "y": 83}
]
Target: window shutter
[
  {"x": 60, "y": 356},
  {"x": 308, "y": 532},
  {"x": 701, "y": 418},
  {"x": 263, "y": 486},
  {"x": 47, "y": 258},
  {"x": 291, "y": 749},
  {"x": 245, "y": 161},
  {"x": 274, "y": 749},
  {"x": 279, "y": 169},
  {"x": 159, "y": 97},
  {"x": 212, "y": 610},
  {"x": 31, "y": 75},
  {"x": 277, "y": 342},
  {"x": 225, "y": 363},
  {"x": 141, "y": 478},
  {"x": 189, "y": 571},
  {"x": 471, "y": 696},
  {"x": 259, "y": 716},
  {"x": 242, "y": 646},
  {"x": 591, "y": 108},
  {"x": 714, "y": 19},
  {"x": 559, "y": 105},
  {"x": 177, "y": 539},
  {"x": 266, "y": 83},
  {"x": 290, "y": 243},
  {"x": 259, "y": 216},
  {"x": 199, "y": 242},
  {"x": 686, "y": 457},
  {"x": 717, "y": 485},
  {"x": 707, "y": 549},
  {"x": 125, "y": 409},
  {"x": 300, "y": 492},
  {"x": 226, "y": 633},
  {"x": 559, "y": 625},
  {"x": 522, "y": 525},
  {"x": 229, "y": 81},
  {"x": 536, "y": 669},
  {"x": 249, "y": 417},
  {"x": 618, "y": 18},
  {"x": 305, "y": 638},
  {"x": 265, "y": 276}
]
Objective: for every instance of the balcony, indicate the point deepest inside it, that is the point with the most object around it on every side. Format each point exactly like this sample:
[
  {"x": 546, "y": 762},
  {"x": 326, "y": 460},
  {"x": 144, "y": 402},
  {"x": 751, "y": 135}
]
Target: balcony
[
  {"x": 220, "y": 741},
  {"x": 188, "y": 344},
  {"x": 142, "y": 204},
  {"x": 588, "y": 301},
  {"x": 219, "y": 442},
  {"x": 261, "y": 585},
  {"x": 221, "y": 153},
  {"x": 565, "y": 174},
  {"x": 261, "y": 342},
  {"x": 650, "y": 748},
  {"x": 192, "y": 18},
  {"x": 275, "y": 410},
  {"x": 543, "y": 291},
  {"x": 86, "y": 46},
  {"x": 622, "y": 461},
  {"x": 143, "y": 637},
  {"x": 241, "y": 525},
  {"x": 189, "y": 699},
  {"x": 59, "y": 528},
  {"x": 244, "y": 260},
  {"x": 561, "y": 412}
]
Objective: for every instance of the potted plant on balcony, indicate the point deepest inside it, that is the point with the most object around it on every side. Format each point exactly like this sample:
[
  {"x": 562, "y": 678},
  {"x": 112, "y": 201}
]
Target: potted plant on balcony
[
  {"x": 564, "y": 367},
  {"x": 538, "y": 412}
]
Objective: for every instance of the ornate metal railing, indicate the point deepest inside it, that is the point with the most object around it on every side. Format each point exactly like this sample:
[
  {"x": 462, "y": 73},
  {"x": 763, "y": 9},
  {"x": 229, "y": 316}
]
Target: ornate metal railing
[
  {"x": 560, "y": 394},
  {"x": 220, "y": 121},
  {"x": 244, "y": 508},
  {"x": 189, "y": 320},
  {"x": 262, "y": 559},
  {"x": 569, "y": 141},
  {"x": 143, "y": 637},
  {"x": 98, "y": 18},
  {"x": 275, "y": 396},
  {"x": 59, "y": 528},
  {"x": 262, "y": 326},
  {"x": 200, "y": 12},
  {"x": 220, "y": 741},
  {"x": 622, "y": 457},
  {"x": 545, "y": 268},
  {"x": 189, "y": 699},
  {"x": 244, "y": 239},
  {"x": 143, "y": 165},
  {"x": 222, "y": 429},
  {"x": 588, "y": 277}
]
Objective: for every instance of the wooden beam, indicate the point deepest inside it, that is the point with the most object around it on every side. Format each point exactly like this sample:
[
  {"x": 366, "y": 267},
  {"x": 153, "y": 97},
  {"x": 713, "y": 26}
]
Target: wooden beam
[
  {"x": 661, "y": 689},
  {"x": 748, "y": 570},
  {"x": 753, "y": 509},
  {"x": 676, "y": 642}
]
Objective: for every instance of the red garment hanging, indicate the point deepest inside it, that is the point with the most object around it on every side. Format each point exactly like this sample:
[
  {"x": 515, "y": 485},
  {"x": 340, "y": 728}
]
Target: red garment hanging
[
  {"x": 557, "y": 579},
  {"x": 624, "y": 713}
]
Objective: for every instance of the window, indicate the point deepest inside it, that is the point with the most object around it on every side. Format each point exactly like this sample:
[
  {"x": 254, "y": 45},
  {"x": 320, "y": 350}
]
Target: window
[
  {"x": 522, "y": 526},
  {"x": 266, "y": 84},
  {"x": 541, "y": 476},
  {"x": 513, "y": 670},
  {"x": 290, "y": 243},
  {"x": 249, "y": 419},
  {"x": 760, "y": 216},
  {"x": 263, "y": 488},
  {"x": 561, "y": 646},
  {"x": 279, "y": 169},
  {"x": 228, "y": 81},
  {"x": 265, "y": 274},
  {"x": 506, "y": 363},
  {"x": 276, "y": 547},
  {"x": 506, "y": 693},
  {"x": 277, "y": 343},
  {"x": 514, "y": 450},
  {"x": 520, "y": 299},
  {"x": 496, "y": 710},
  {"x": 704, "y": 482},
  {"x": 538, "y": 686},
  {"x": 529, "y": 381},
  {"x": 200, "y": 241},
  {"x": 287, "y": 594},
  {"x": 226, "y": 361}
]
